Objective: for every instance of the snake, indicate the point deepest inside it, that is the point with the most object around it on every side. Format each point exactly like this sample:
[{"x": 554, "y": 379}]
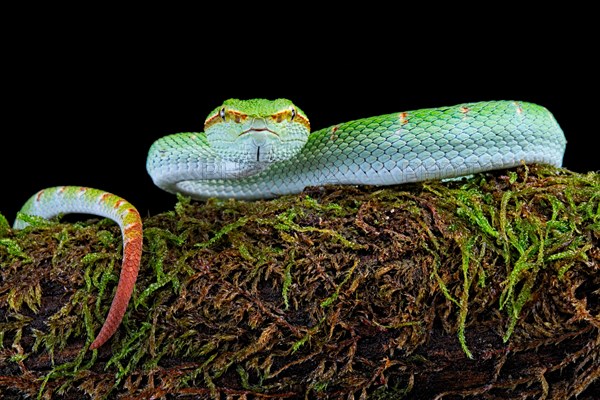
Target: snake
[{"x": 259, "y": 149}]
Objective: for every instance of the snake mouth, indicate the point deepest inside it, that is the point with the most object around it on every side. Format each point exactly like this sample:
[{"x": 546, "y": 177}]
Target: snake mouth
[{"x": 258, "y": 130}]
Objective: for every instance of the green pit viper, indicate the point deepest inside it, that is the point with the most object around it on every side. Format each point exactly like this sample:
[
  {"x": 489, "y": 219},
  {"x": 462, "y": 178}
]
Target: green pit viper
[{"x": 258, "y": 149}]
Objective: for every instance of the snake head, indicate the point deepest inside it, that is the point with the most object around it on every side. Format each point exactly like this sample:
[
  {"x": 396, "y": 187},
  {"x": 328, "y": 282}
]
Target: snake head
[{"x": 257, "y": 132}]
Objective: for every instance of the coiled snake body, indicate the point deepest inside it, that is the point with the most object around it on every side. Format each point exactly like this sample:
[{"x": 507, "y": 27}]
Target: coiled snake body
[{"x": 258, "y": 148}]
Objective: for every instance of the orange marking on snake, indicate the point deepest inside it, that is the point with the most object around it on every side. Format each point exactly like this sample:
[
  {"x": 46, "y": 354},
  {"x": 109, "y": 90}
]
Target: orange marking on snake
[
  {"x": 104, "y": 196},
  {"x": 118, "y": 203},
  {"x": 519, "y": 108},
  {"x": 39, "y": 195},
  {"x": 281, "y": 115},
  {"x": 278, "y": 117},
  {"x": 211, "y": 121},
  {"x": 334, "y": 129},
  {"x": 132, "y": 231},
  {"x": 236, "y": 116},
  {"x": 464, "y": 110},
  {"x": 300, "y": 119},
  {"x": 404, "y": 118}
]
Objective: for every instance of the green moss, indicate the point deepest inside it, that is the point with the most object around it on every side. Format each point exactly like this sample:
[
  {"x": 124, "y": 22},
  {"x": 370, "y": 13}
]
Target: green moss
[
  {"x": 333, "y": 291},
  {"x": 4, "y": 226}
]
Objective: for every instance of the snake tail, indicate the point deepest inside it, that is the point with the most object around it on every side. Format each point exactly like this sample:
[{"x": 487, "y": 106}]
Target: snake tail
[{"x": 50, "y": 202}]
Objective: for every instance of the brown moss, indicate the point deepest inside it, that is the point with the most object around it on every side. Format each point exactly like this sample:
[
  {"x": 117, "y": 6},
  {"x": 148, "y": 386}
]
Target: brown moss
[{"x": 483, "y": 288}]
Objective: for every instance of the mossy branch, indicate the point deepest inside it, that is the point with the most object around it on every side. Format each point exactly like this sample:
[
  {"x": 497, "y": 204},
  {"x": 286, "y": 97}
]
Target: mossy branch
[{"x": 480, "y": 287}]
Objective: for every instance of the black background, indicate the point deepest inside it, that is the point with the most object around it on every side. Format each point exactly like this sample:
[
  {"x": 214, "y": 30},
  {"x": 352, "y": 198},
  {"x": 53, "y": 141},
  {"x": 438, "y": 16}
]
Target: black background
[{"x": 84, "y": 108}]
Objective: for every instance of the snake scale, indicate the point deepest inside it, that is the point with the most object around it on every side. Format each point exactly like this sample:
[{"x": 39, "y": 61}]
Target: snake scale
[{"x": 257, "y": 148}]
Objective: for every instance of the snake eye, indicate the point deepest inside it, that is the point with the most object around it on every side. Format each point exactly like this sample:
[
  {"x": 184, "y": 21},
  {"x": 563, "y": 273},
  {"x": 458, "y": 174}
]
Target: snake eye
[
  {"x": 222, "y": 113},
  {"x": 293, "y": 113}
]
